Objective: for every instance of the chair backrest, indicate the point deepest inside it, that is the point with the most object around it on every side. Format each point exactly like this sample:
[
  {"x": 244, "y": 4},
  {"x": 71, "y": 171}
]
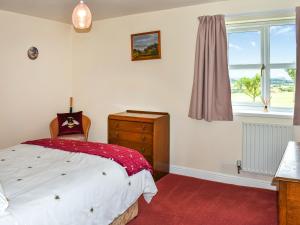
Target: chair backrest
[{"x": 86, "y": 123}]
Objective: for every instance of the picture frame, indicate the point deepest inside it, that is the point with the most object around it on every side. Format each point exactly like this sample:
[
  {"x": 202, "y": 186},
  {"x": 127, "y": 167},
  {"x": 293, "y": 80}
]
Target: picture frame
[{"x": 145, "y": 46}]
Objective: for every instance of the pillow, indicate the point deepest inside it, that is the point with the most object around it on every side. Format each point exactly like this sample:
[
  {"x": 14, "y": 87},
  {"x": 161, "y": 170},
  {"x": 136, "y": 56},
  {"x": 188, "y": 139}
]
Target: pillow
[
  {"x": 69, "y": 123},
  {"x": 3, "y": 201}
]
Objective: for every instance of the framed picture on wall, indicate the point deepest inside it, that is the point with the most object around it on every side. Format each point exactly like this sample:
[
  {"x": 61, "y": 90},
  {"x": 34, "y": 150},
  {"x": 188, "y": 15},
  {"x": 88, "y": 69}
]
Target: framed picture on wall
[{"x": 145, "y": 46}]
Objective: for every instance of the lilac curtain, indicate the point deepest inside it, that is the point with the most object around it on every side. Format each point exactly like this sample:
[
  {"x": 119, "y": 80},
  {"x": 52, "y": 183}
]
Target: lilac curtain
[
  {"x": 211, "y": 94},
  {"x": 297, "y": 93}
]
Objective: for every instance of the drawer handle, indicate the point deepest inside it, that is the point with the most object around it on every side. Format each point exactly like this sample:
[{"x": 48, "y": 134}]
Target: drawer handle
[{"x": 144, "y": 127}]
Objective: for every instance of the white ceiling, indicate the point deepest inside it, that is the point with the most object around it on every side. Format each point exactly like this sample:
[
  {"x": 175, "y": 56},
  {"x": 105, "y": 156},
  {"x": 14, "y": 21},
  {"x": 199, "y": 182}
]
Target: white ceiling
[{"x": 61, "y": 10}]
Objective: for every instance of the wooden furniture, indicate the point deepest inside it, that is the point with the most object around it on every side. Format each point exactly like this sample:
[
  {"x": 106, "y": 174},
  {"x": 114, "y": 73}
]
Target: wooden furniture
[
  {"x": 128, "y": 215},
  {"x": 86, "y": 123},
  {"x": 287, "y": 179},
  {"x": 146, "y": 132}
]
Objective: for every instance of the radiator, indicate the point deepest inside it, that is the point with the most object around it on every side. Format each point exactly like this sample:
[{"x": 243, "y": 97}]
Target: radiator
[{"x": 263, "y": 146}]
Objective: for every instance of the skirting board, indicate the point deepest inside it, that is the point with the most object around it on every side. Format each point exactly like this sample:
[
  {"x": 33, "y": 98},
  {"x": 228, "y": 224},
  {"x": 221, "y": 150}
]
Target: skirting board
[{"x": 220, "y": 177}]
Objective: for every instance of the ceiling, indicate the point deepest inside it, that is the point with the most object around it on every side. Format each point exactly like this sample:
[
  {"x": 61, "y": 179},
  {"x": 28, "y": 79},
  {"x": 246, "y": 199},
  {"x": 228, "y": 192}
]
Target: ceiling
[{"x": 61, "y": 10}]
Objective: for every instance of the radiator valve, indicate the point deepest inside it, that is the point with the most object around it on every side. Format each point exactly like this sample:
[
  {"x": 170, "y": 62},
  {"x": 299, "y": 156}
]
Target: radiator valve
[{"x": 239, "y": 166}]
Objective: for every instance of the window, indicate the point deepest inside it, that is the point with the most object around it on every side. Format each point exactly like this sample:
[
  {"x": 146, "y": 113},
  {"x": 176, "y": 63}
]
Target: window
[{"x": 262, "y": 58}]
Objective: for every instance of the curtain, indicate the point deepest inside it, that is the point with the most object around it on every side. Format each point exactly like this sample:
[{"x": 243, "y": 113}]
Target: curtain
[
  {"x": 297, "y": 92},
  {"x": 211, "y": 94}
]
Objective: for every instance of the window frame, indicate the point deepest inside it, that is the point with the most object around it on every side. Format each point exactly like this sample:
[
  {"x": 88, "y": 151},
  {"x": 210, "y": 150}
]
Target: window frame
[{"x": 264, "y": 28}]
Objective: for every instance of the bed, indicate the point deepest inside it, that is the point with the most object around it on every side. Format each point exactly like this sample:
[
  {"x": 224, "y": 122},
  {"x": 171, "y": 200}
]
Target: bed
[{"x": 49, "y": 186}]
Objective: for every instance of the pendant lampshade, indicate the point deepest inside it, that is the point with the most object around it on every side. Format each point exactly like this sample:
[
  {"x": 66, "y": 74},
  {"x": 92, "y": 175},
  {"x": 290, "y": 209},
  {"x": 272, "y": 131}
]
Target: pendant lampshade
[{"x": 82, "y": 16}]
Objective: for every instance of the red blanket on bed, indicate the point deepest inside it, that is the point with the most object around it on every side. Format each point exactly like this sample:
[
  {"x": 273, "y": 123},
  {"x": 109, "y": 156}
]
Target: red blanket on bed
[{"x": 130, "y": 159}]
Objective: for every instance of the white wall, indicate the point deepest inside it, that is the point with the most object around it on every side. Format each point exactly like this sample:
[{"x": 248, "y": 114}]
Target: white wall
[
  {"x": 106, "y": 81},
  {"x": 31, "y": 92}
]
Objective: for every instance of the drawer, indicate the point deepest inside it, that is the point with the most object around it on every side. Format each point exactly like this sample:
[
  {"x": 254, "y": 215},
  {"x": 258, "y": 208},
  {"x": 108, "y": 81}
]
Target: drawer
[
  {"x": 145, "y": 149},
  {"x": 139, "y": 127},
  {"x": 293, "y": 203},
  {"x": 131, "y": 137}
]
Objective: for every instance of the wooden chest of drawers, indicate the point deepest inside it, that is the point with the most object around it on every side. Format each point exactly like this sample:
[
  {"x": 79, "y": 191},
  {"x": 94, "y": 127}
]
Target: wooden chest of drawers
[
  {"x": 288, "y": 182},
  {"x": 146, "y": 132}
]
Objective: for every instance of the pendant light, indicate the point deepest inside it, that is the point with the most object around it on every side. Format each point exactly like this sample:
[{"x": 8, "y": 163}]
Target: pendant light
[{"x": 82, "y": 16}]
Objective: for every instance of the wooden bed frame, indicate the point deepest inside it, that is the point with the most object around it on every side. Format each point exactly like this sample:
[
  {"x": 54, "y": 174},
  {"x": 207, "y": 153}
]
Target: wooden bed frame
[{"x": 127, "y": 216}]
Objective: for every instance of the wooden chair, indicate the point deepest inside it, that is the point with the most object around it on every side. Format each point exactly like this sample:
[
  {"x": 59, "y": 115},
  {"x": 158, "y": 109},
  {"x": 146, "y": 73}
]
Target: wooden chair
[{"x": 86, "y": 123}]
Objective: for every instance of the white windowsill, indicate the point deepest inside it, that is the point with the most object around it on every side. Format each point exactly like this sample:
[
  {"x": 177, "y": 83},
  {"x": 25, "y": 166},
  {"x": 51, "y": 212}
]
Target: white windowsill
[{"x": 255, "y": 113}]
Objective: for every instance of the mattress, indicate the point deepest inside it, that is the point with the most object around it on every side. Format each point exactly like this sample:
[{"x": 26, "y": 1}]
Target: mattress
[{"x": 53, "y": 187}]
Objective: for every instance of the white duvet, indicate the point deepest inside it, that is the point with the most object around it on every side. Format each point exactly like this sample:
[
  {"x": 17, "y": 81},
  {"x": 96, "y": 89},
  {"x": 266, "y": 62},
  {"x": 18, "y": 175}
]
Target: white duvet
[{"x": 53, "y": 187}]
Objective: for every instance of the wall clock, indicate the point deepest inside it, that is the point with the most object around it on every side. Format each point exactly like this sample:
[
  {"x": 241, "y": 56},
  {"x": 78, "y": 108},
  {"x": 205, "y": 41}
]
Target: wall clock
[{"x": 33, "y": 53}]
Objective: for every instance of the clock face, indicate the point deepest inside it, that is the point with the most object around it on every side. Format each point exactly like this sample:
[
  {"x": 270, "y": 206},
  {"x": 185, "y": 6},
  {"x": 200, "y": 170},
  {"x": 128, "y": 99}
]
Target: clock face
[{"x": 33, "y": 53}]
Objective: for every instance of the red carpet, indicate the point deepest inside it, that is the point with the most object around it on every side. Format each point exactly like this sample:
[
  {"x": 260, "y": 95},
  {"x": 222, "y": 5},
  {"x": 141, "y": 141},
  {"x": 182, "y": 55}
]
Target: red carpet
[{"x": 189, "y": 201}]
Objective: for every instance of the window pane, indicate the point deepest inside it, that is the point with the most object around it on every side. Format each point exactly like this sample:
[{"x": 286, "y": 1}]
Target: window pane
[
  {"x": 283, "y": 44},
  {"x": 244, "y": 47},
  {"x": 282, "y": 87},
  {"x": 245, "y": 86}
]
